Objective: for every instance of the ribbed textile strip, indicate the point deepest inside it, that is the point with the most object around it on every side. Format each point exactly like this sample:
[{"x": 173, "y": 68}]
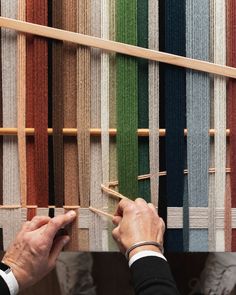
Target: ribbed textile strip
[
  {"x": 57, "y": 106},
  {"x": 84, "y": 102},
  {"x": 220, "y": 114},
  {"x": 175, "y": 96},
  {"x": 112, "y": 117},
  {"x": 71, "y": 195},
  {"x": 11, "y": 185},
  {"x": 21, "y": 103},
  {"x": 30, "y": 142},
  {"x": 83, "y": 113},
  {"x": 40, "y": 89},
  {"x": 143, "y": 114},
  {"x": 228, "y": 214},
  {"x": 198, "y": 120},
  {"x": 96, "y": 200},
  {"x": 127, "y": 100},
  {"x": 105, "y": 64},
  {"x": 231, "y": 60},
  {"x": 153, "y": 90}
]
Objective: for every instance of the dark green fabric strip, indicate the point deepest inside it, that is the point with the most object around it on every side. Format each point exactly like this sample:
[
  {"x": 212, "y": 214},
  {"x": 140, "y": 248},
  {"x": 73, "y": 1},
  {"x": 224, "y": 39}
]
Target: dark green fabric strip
[
  {"x": 127, "y": 100},
  {"x": 143, "y": 143}
]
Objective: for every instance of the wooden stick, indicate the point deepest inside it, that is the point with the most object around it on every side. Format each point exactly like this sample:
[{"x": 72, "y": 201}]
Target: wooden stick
[
  {"x": 112, "y": 193},
  {"x": 101, "y": 212},
  {"x": 146, "y": 176},
  {"x": 118, "y": 47},
  {"x": 95, "y": 132}
]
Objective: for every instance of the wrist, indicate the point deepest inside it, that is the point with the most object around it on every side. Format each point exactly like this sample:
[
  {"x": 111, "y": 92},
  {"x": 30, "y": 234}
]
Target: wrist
[
  {"x": 9, "y": 278},
  {"x": 143, "y": 245},
  {"x": 144, "y": 248},
  {"x": 17, "y": 272}
]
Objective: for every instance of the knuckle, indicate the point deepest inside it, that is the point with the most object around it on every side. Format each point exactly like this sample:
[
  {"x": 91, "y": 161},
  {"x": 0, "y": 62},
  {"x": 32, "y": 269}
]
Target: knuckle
[{"x": 54, "y": 223}]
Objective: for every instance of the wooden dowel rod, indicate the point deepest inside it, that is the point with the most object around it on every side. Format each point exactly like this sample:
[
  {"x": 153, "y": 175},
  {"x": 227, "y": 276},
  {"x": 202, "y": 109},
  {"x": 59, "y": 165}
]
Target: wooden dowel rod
[
  {"x": 94, "y": 132},
  {"x": 146, "y": 176},
  {"x": 101, "y": 212},
  {"x": 118, "y": 47},
  {"x": 112, "y": 193}
]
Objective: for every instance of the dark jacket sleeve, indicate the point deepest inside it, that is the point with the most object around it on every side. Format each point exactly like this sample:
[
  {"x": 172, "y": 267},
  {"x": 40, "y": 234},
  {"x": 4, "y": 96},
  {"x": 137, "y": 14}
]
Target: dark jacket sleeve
[
  {"x": 152, "y": 276},
  {"x": 3, "y": 287}
]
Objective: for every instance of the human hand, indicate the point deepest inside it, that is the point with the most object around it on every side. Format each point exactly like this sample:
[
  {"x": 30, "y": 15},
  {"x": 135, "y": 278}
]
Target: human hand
[
  {"x": 137, "y": 221},
  {"x": 34, "y": 252}
]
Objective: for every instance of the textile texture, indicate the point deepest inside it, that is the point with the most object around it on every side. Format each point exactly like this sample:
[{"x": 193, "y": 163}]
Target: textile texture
[{"x": 80, "y": 117}]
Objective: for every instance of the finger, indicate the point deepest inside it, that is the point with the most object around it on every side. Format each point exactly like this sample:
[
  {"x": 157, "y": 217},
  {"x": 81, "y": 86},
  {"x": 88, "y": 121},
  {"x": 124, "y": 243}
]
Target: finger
[
  {"x": 116, "y": 234},
  {"x": 25, "y": 226},
  {"x": 123, "y": 204},
  {"x": 152, "y": 207},
  {"x": 58, "y": 222},
  {"x": 37, "y": 222},
  {"x": 58, "y": 244},
  {"x": 116, "y": 220},
  {"x": 140, "y": 202}
]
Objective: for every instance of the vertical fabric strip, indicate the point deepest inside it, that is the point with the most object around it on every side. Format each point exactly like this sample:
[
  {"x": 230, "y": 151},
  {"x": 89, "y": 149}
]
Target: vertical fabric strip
[
  {"x": 96, "y": 152},
  {"x": 83, "y": 103},
  {"x": 175, "y": 95},
  {"x": 153, "y": 91},
  {"x": 105, "y": 64},
  {"x": 71, "y": 196},
  {"x": 198, "y": 107},
  {"x": 57, "y": 106},
  {"x": 112, "y": 116},
  {"x": 11, "y": 185},
  {"x": 127, "y": 93},
  {"x": 143, "y": 120},
  {"x": 21, "y": 103},
  {"x": 40, "y": 89},
  {"x": 30, "y": 142},
  {"x": 219, "y": 115},
  {"x": 231, "y": 60}
]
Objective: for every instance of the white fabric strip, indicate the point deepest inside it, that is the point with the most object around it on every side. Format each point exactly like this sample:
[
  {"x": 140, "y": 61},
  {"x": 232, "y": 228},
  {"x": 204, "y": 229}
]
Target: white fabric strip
[
  {"x": 219, "y": 38},
  {"x": 11, "y": 185},
  {"x": 154, "y": 101},
  {"x": 95, "y": 237}
]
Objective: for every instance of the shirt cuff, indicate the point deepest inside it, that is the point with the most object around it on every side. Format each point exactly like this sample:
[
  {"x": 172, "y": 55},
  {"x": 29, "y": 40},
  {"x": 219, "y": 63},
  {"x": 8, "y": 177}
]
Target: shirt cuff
[
  {"x": 145, "y": 253},
  {"x": 10, "y": 281}
]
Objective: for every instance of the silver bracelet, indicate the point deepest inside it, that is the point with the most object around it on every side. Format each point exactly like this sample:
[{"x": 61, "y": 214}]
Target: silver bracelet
[{"x": 143, "y": 243}]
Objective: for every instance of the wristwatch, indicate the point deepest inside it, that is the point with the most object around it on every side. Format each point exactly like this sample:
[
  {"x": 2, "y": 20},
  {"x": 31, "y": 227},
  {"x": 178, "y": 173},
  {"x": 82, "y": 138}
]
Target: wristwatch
[{"x": 9, "y": 278}]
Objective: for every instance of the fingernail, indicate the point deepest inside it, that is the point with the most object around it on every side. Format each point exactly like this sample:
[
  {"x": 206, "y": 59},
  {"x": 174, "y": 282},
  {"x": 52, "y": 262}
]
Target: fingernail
[
  {"x": 71, "y": 213},
  {"x": 66, "y": 240}
]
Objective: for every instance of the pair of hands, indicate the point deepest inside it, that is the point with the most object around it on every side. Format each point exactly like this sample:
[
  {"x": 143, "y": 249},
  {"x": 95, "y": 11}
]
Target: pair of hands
[{"x": 36, "y": 248}]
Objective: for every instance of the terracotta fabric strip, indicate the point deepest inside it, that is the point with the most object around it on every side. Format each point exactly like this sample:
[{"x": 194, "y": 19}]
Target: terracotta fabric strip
[
  {"x": 30, "y": 146},
  {"x": 231, "y": 92},
  {"x": 37, "y": 109},
  {"x": 57, "y": 106},
  {"x": 21, "y": 103}
]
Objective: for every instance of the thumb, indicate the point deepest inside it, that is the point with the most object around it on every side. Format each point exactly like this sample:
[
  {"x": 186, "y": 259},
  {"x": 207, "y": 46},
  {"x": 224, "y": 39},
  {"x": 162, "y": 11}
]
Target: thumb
[{"x": 58, "y": 244}]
